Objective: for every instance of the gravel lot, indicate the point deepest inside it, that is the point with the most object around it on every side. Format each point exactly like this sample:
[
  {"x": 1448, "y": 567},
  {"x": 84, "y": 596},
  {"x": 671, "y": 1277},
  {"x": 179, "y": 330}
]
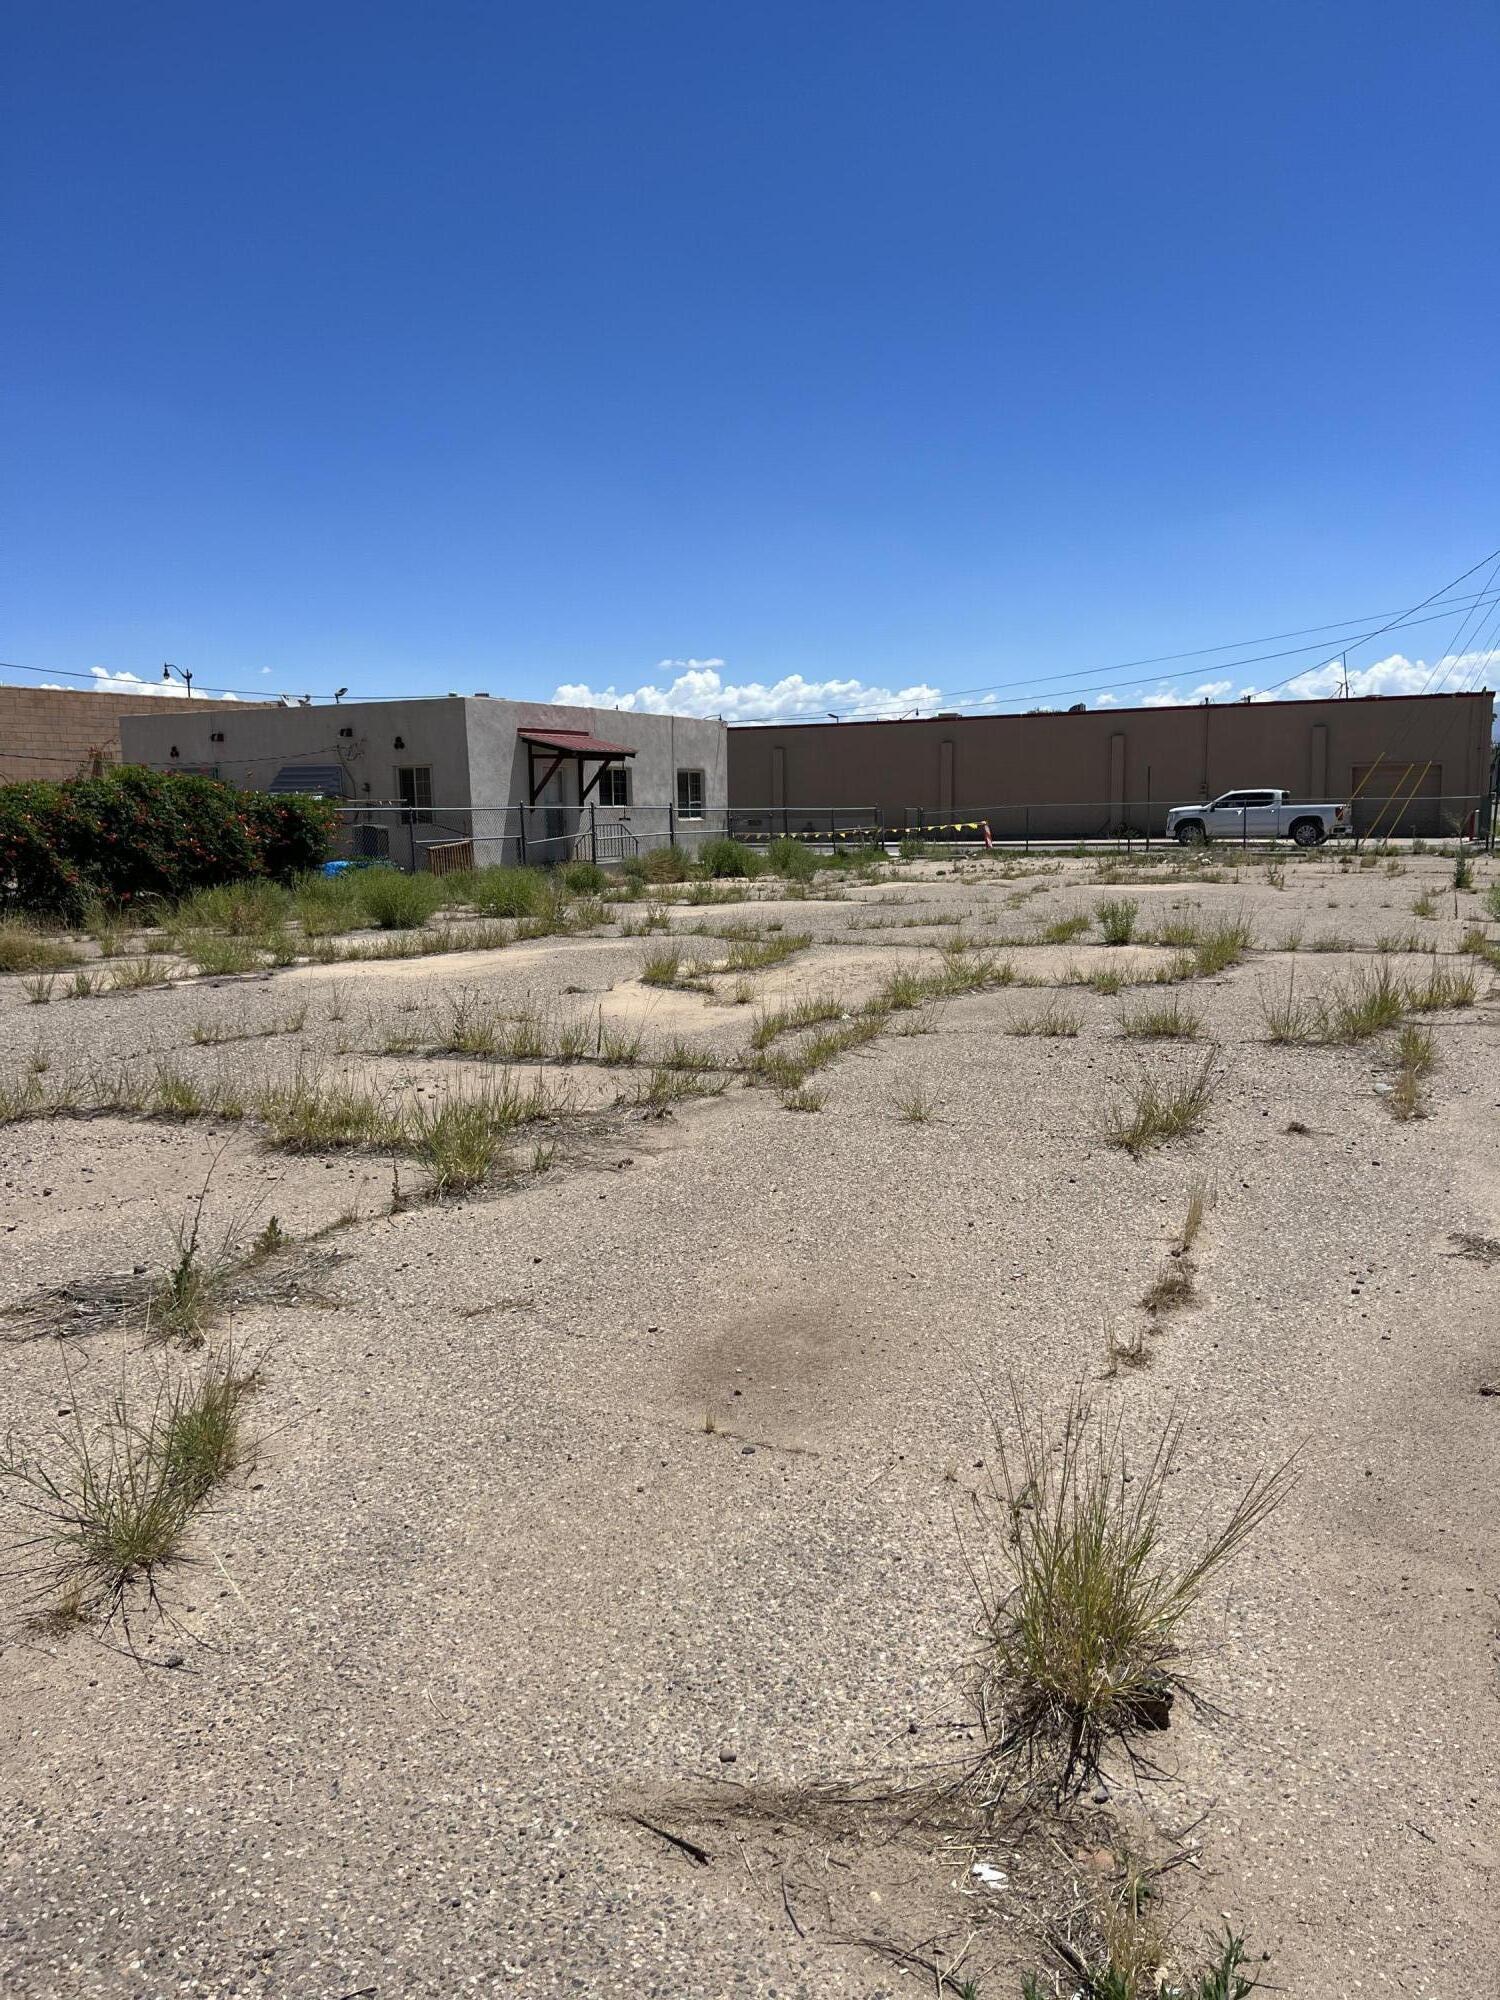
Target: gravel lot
[{"x": 644, "y": 1480}]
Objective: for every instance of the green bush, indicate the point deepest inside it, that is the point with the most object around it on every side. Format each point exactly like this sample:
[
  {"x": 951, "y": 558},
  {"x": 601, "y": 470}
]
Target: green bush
[
  {"x": 136, "y": 834},
  {"x": 584, "y": 878},
  {"x": 293, "y": 831},
  {"x": 790, "y": 859},
  {"x": 727, "y": 857}
]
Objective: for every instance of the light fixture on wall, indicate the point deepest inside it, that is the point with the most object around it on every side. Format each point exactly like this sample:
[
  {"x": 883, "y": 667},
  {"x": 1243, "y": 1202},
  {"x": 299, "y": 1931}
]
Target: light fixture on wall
[
  {"x": 216, "y": 736},
  {"x": 399, "y": 744}
]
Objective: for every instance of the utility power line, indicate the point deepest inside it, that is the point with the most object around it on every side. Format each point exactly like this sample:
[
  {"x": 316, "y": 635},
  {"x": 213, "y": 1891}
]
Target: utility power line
[{"x": 1068, "y": 683}]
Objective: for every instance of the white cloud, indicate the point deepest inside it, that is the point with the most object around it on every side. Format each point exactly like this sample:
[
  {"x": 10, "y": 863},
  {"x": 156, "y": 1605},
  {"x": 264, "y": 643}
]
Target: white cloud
[
  {"x": 265, "y": 670},
  {"x": 1168, "y": 697},
  {"x": 1394, "y": 675},
  {"x": 128, "y": 683},
  {"x": 698, "y": 688}
]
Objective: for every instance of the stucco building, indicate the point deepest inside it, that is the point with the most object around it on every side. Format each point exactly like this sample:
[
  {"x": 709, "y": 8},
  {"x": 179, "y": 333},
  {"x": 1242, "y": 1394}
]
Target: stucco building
[{"x": 450, "y": 780}]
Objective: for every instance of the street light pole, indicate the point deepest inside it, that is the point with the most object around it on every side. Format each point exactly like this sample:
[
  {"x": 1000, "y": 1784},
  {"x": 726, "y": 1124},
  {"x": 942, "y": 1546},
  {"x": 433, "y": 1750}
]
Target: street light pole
[{"x": 184, "y": 674}]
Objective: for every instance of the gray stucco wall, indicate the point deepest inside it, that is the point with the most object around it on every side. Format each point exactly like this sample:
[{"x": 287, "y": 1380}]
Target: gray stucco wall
[
  {"x": 360, "y": 736},
  {"x": 663, "y": 744},
  {"x": 499, "y": 776}
]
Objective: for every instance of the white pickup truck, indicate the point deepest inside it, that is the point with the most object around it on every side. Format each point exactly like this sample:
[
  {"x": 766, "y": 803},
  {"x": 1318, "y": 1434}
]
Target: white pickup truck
[{"x": 1258, "y": 816}]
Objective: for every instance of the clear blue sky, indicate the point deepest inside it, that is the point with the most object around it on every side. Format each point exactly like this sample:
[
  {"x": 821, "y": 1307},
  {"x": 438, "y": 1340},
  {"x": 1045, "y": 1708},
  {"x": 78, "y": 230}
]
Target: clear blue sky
[{"x": 920, "y": 346}]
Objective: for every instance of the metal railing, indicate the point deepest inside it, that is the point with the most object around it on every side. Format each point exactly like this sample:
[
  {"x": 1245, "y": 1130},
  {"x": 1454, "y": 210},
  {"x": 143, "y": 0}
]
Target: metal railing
[{"x": 440, "y": 839}]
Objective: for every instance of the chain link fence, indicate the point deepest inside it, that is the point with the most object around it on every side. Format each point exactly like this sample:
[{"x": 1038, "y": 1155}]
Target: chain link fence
[{"x": 441, "y": 839}]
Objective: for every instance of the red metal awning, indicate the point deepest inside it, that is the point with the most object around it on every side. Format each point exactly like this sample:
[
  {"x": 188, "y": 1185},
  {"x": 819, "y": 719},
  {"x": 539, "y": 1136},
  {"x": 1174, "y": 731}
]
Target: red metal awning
[{"x": 574, "y": 743}]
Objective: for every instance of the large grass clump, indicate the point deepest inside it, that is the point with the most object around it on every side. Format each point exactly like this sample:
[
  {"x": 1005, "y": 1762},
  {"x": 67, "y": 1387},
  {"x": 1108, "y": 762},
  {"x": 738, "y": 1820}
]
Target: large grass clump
[
  {"x": 1087, "y": 1595},
  {"x": 727, "y": 858},
  {"x": 508, "y": 892},
  {"x": 328, "y": 905},
  {"x": 25, "y": 948},
  {"x": 1368, "y": 1003},
  {"x": 460, "y": 1139},
  {"x": 791, "y": 859},
  {"x": 1117, "y": 916},
  {"x": 392, "y": 901},
  {"x": 237, "y": 909},
  {"x": 110, "y": 1505},
  {"x": 1156, "y": 1109},
  {"x": 1171, "y": 1019}
]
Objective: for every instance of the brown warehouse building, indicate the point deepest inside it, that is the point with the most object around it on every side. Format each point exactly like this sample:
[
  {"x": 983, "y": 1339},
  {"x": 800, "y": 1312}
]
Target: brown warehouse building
[{"x": 1417, "y": 764}]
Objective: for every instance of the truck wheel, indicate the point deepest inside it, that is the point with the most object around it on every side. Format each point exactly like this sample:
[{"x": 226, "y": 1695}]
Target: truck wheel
[
  {"x": 1308, "y": 832},
  {"x": 1192, "y": 833}
]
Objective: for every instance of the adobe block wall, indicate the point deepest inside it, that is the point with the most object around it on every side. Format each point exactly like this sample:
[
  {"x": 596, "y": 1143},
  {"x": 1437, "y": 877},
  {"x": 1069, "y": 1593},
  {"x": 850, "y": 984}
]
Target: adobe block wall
[{"x": 54, "y": 732}]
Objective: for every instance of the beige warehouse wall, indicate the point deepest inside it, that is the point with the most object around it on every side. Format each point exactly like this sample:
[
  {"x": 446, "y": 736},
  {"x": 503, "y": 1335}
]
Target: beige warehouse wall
[
  {"x": 56, "y": 732},
  {"x": 1106, "y": 758}
]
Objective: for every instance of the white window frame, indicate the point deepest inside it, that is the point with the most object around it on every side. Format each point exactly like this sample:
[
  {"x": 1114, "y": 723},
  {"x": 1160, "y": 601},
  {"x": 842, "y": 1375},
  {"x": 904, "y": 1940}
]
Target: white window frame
[
  {"x": 417, "y": 809},
  {"x": 614, "y": 778},
  {"x": 689, "y": 781}
]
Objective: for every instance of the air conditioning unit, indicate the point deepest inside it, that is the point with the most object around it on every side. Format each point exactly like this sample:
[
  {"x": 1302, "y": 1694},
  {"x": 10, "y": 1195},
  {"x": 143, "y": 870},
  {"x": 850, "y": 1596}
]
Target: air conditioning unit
[{"x": 371, "y": 843}]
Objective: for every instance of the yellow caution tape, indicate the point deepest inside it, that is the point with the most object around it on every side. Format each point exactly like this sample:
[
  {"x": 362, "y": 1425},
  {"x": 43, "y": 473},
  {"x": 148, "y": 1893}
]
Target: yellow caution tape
[{"x": 881, "y": 832}]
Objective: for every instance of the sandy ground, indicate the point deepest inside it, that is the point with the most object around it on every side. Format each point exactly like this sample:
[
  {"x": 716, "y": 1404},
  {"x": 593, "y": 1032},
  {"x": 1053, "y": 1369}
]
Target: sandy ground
[{"x": 645, "y": 1481}]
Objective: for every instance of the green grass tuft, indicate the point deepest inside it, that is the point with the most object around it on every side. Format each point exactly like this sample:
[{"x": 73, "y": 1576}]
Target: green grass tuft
[
  {"x": 25, "y": 948},
  {"x": 1117, "y": 915},
  {"x": 110, "y": 1506},
  {"x": 661, "y": 968},
  {"x": 392, "y": 901},
  {"x": 1083, "y": 1621},
  {"x": 727, "y": 858},
  {"x": 1154, "y": 1110},
  {"x": 1163, "y": 1020},
  {"x": 1056, "y": 1018}
]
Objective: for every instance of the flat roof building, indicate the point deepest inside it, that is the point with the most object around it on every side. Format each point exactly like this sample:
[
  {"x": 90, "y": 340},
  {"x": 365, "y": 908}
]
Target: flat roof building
[
  {"x": 465, "y": 780},
  {"x": 1412, "y": 764}
]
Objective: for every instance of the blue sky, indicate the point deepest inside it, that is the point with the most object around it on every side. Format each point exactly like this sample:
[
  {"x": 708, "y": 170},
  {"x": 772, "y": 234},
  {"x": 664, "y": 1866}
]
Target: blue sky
[{"x": 856, "y": 354}]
